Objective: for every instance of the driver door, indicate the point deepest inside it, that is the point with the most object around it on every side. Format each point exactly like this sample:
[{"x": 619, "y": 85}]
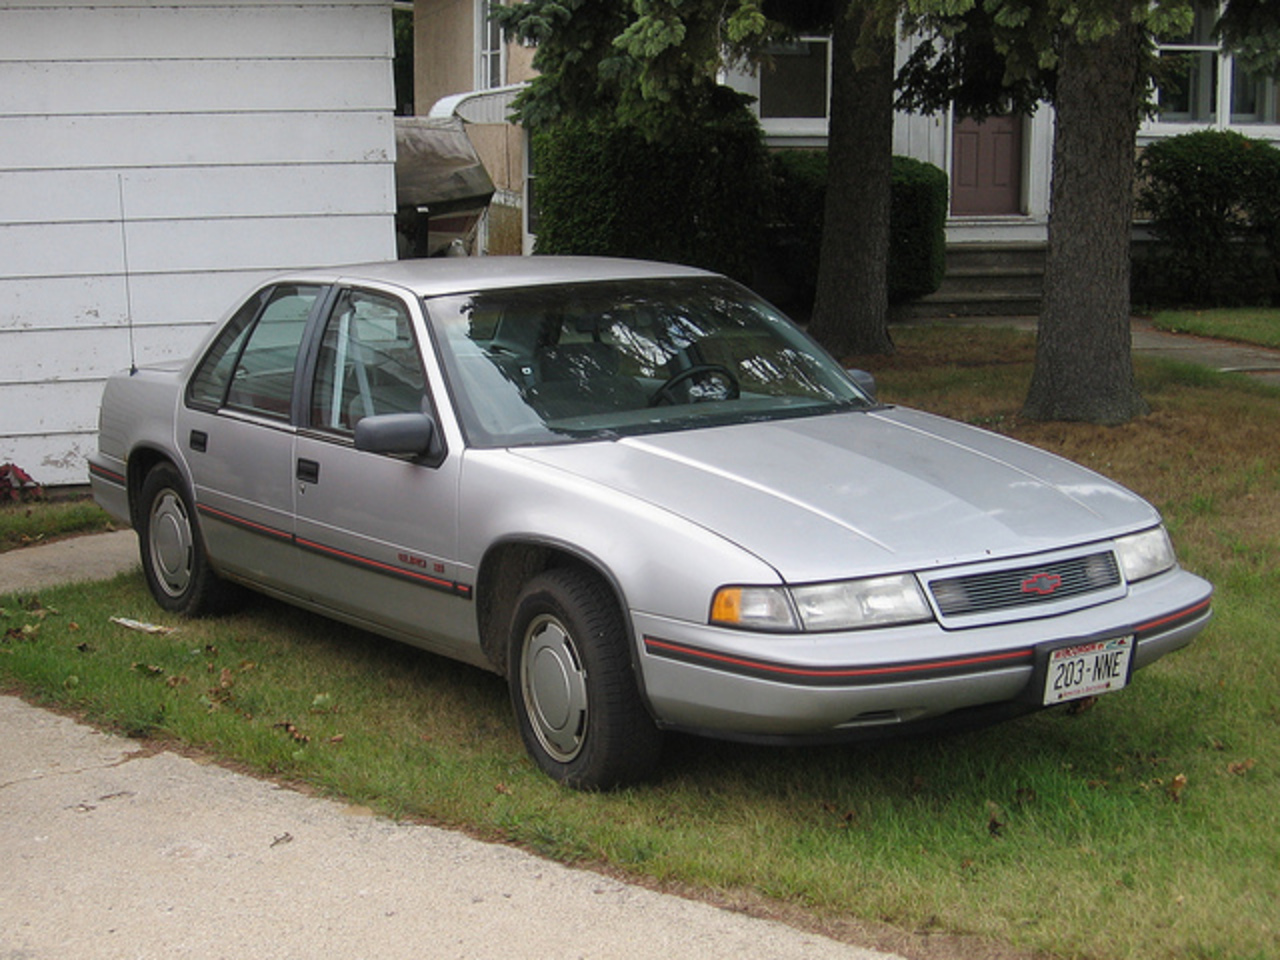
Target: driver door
[{"x": 377, "y": 532}]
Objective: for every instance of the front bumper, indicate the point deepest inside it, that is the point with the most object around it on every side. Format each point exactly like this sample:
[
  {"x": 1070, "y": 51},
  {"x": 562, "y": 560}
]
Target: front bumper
[{"x": 821, "y": 687}]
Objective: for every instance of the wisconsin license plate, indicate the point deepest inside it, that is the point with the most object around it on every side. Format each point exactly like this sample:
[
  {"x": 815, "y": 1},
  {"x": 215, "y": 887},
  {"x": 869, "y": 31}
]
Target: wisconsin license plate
[{"x": 1087, "y": 669}]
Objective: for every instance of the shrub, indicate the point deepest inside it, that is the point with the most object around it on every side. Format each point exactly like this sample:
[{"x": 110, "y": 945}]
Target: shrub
[
  {"x": 917, "y": 229},
  {"x": 696, "y": 195},
  {"x": 1208, "y": 194},
  {"x": 799, "y": 193},
  {"x": 1262, "y": 199},
  {"x": 917, "y": 223},
  {"x": 16, "y": 484}
]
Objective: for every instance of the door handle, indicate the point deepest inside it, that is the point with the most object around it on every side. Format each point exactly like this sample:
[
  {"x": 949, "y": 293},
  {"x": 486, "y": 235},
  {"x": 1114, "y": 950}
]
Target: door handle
[
  {"x": 198, "y": 441},
  {"x": 309, "y": 471}
]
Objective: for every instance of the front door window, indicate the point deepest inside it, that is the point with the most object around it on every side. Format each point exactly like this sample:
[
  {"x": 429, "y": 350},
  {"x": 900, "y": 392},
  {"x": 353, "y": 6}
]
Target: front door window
[{"x": 368, "y": 363}]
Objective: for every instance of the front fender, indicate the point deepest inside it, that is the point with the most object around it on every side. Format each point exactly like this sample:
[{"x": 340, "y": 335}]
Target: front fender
[{"x": 660, "y": 563}]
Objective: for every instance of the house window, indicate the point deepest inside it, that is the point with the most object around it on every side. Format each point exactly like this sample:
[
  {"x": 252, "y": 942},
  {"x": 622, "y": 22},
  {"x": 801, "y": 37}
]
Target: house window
[
  {"x": 1199, "y": 83},
  {"x": 493, "y": 52},
  {"x": 1253, "y": 98},
  {"x": 791, "y": 90},
  {"x": 797, "y": 84},
  {"x": 1187, "y": 75},
  {"x": 531, "y": 204}
]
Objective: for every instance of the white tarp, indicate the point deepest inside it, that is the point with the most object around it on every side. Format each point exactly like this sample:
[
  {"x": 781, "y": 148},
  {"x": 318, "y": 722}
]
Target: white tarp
[{"x": 437, "y": 167}]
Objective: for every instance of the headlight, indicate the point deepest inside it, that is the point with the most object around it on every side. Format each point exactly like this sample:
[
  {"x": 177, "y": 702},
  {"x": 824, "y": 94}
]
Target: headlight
[
  {"x": 1145, "y": 554},
  {"x": 850, "y": 604},
  {"x": 844, "y": 605}
]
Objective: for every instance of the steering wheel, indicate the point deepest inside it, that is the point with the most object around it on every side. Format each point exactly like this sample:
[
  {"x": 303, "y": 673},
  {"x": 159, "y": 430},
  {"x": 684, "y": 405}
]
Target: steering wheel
[{"x": 709, "y": 370}]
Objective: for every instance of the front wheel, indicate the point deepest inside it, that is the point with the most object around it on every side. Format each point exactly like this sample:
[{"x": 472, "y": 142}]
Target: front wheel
[
  {"x": 173, "y": 557},
  {"x": 573, "y": 686}
]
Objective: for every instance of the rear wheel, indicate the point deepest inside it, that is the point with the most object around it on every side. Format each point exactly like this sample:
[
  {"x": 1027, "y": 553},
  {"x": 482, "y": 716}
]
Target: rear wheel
[
  {"x": 173, "y": 557},
  {"x": 573, "y": 685}
]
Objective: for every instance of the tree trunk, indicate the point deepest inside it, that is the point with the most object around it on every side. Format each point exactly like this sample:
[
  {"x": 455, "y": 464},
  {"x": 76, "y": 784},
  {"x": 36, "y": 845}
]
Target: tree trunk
[
  {"x": 1084, "y": 360},
  {"x": 851, "y": 308}
]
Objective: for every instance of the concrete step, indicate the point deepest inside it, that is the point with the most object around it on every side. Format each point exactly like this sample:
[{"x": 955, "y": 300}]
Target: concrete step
[
  {"x": 995, "y": 255},
  {"x": 994, "y": 281},
  {"x": 969, "y": 305},
  {"x": 986, "y": 279}
]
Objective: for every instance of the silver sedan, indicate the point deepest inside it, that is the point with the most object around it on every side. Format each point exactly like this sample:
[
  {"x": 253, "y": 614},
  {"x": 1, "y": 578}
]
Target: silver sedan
[{"x": 641, "y": 495}]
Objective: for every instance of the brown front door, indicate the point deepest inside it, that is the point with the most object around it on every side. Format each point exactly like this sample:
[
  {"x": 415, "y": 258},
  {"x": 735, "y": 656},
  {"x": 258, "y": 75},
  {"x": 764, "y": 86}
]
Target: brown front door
[{"x": 986, "y": 166}]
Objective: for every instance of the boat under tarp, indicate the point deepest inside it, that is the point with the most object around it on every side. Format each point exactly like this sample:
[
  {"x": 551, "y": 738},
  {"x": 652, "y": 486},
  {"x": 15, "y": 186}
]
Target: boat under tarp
[{"x": 442, "y": 188}]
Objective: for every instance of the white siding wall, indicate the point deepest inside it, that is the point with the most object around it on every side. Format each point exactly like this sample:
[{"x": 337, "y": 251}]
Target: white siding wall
[{"x": 239, "y": 136}]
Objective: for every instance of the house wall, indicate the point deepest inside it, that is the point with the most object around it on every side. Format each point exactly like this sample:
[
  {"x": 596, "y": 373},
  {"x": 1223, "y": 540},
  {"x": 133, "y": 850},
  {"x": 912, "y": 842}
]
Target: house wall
[
  {"x": 929, "y": 138},
  {"x": 444, "y": 33},
  {"x": 520, "y": 64},
  {"x": 501, "y": 148},
  {"x": 202, "y": 145}
]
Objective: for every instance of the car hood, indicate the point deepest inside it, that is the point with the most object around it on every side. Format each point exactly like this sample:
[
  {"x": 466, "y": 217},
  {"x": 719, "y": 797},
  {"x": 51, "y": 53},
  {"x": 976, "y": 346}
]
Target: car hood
[{"x": 858, "y": 493}]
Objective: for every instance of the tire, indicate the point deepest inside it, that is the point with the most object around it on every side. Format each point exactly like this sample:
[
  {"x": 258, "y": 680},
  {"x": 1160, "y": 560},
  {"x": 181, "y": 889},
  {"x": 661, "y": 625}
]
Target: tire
[
  {"x": 173, "y": 555},
  {"x": 573, "y": 686}
]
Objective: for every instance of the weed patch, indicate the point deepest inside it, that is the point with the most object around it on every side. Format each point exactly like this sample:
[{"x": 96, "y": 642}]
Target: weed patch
[{"x": 25, "y": 523}]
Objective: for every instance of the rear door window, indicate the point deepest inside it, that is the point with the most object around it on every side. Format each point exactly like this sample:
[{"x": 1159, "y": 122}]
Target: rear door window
[{"x": 251, "y": 364}]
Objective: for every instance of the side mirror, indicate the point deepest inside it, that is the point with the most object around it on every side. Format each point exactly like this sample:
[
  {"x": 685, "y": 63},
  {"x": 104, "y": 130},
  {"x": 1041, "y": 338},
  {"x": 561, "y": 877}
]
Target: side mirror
[
  {"x": 411, "y": 433},
  {"x": 864, "y": 381}
]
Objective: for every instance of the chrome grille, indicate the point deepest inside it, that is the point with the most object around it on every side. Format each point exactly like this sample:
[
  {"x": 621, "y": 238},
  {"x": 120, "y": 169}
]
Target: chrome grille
[{"x": 1025, "y": 586}]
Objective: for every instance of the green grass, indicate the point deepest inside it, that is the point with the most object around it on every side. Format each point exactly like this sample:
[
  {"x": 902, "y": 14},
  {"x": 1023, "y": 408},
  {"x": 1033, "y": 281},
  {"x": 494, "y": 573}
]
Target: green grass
[
  {"x": 1256, "y": 325},
  {"x": 25, "y": 523},
  {"x": 1146, "y": 827}
]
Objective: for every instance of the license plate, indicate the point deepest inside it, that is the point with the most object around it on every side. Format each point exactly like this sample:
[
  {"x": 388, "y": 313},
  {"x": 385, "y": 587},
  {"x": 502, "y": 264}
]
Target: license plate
[{"x": 1087, "y": 669}]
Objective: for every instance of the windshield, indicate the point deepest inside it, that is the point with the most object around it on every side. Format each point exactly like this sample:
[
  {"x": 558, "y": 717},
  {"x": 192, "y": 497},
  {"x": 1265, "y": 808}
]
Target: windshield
[{"x": 568, "y": 362}]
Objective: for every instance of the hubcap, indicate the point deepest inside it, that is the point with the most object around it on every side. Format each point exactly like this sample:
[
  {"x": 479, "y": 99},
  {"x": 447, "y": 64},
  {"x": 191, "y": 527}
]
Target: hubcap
[
  {"x": 170, "y": 543},
  {"x": 554, "y": 685}
]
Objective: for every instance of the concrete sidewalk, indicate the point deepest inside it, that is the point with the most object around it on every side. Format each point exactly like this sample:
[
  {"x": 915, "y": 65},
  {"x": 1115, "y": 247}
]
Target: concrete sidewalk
[
  {"x": 93, "y": 557},
  {"x": 1259, "y": 363},
  {"x": 112, "y": 851}
]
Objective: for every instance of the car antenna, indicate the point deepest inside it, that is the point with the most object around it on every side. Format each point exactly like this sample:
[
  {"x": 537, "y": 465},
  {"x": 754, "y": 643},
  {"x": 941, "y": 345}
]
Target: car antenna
[{"x": 128, "y": 291}]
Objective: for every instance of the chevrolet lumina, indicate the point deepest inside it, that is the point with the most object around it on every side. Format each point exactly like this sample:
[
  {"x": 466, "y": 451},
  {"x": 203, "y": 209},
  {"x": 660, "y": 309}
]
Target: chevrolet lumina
[{"x": 642, "y": 496}]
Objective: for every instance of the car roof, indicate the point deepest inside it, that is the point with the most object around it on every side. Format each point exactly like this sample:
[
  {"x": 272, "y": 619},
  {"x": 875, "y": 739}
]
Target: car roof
[{"x": 438, "y": 276}]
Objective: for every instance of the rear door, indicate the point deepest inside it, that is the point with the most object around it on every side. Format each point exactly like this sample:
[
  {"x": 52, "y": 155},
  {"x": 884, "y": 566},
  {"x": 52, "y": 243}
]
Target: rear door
[
  {"x": 237, "y": 434},
  {"x": 378, "y": 533}
]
